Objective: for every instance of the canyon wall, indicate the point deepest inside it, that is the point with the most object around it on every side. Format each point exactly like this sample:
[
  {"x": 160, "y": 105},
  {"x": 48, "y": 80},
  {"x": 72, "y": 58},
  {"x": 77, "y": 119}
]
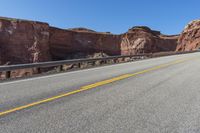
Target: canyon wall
[
  {"x": 74, "y": 43},
  {"x": 67, "y": 43},
  {"x": 23, "y": 41},
  {"x": 190, "y": 37}
]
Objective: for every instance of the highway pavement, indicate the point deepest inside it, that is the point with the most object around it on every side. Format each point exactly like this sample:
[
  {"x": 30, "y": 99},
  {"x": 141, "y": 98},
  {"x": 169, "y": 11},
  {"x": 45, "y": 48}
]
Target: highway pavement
[{"x": 159, "y": 95}]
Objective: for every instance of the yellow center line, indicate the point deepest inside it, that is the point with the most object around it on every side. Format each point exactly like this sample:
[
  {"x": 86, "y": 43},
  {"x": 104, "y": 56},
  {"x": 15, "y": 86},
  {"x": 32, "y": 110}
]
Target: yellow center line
[{"x": 88, "y": 87}]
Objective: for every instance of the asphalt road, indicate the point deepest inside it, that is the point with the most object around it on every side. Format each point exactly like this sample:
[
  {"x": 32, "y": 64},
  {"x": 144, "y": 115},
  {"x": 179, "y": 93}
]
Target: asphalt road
[{"x": 165, "y": 99}]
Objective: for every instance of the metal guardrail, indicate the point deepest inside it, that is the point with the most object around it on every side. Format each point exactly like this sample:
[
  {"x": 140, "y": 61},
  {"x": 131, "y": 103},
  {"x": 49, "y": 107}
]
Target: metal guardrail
[
  {"x": 9, "y": 68},
  {"x": 60, "y": 64}
]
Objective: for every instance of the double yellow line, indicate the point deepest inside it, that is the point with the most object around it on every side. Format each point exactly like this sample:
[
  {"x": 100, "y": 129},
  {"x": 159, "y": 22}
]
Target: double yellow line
[{"x": 88, "y": 87}]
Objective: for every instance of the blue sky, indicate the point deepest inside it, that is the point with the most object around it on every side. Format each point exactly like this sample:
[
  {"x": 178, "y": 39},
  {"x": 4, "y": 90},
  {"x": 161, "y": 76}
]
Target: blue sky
[{"x": 116, "y": 16}]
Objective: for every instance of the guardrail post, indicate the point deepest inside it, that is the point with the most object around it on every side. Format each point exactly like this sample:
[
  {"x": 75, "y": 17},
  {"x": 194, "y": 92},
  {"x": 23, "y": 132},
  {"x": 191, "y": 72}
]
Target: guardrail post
[
  {"x": 150, "y": 55},
  {"x": 79, "y": 65},
  {"x": 94, "y": 63},
  {"x": 123, "y": 59},
  {"x": 38, "y": 70},
  {"x": 60, "y": 68},
  {"x": 8, "y": 74}
]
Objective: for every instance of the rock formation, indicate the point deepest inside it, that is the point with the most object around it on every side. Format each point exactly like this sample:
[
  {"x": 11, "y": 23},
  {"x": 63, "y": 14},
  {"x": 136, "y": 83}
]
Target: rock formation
[
  {"x": 67, "y": 43},
  {"x": 23, "y": 41},
  {"x": 190, "y": 37},
  {"x": 144, "y": 40}
]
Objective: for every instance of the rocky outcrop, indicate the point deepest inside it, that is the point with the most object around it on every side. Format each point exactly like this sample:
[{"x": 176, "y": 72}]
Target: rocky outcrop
[
  {"x": 23, "y": 41},
  {"x": 190, "y": 37},
  {"x": 144, "y": 40}
]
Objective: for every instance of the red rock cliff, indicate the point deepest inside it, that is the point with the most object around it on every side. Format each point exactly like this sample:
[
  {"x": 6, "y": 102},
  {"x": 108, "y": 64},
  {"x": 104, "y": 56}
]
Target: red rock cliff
[
  {"x": 66, "y": 43},
  {"x": 23, "y": 41},
  {"x": 190, "y": 37},
  {"x": 137, "y": 40}
]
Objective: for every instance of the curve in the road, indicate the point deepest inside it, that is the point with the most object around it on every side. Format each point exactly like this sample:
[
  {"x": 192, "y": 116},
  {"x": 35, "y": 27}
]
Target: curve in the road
[{"x": 91, "y": 86}]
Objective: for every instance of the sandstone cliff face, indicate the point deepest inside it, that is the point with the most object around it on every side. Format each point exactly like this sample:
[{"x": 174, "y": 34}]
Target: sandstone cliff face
[
  {"x": 137, "y": 40},
  {"x": 144, "y": 40},
  {"x": 190, "y": 37},
  {"x": 66, "y": 43},
  {"x": 23, "y": 41}
]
